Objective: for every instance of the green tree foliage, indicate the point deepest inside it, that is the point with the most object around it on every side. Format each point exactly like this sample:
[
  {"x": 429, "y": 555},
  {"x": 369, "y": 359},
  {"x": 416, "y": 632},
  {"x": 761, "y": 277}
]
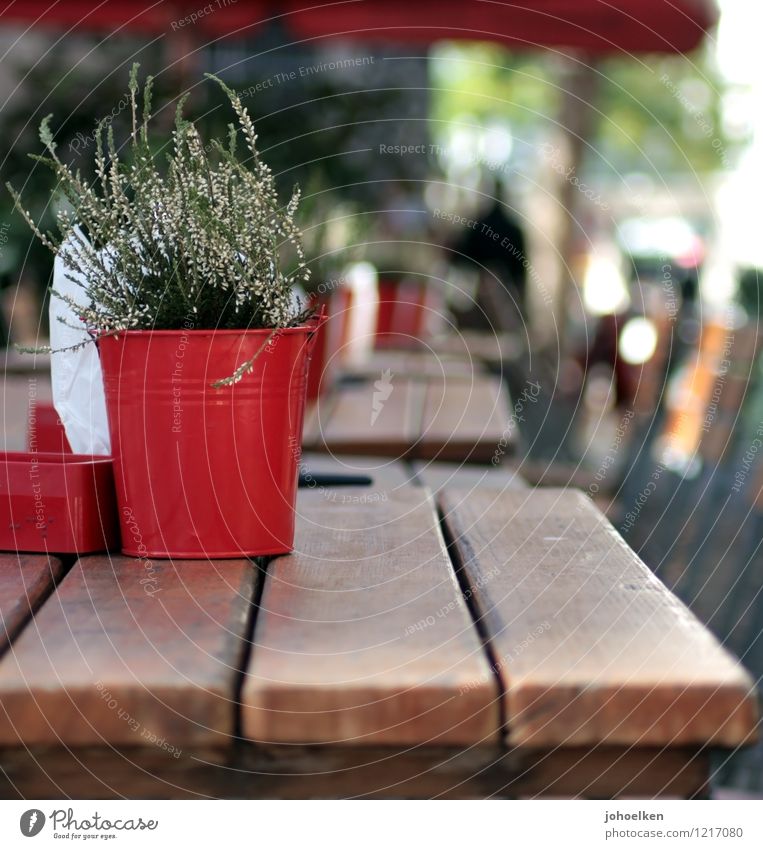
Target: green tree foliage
[{"x": 657, "y": 114}]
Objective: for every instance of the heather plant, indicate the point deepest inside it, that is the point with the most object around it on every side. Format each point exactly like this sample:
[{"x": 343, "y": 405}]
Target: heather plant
[{"x": 202, "y": 239}]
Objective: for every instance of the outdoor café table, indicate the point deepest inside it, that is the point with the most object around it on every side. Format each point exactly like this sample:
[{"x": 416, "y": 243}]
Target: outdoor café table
[
  {"x": 490, "y": 641},
  {"x": 422, "y": 362},
  {"x": 446, "y": 416},
  {"x": 489, "y": 348}
]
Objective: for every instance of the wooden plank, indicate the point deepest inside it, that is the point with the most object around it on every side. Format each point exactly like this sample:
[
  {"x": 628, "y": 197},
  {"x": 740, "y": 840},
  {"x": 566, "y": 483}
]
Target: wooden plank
[
  {"x": 385, "y": 472},
  {"x": 425, "y": 363},
  {"x": 486, "y": 346},
  {"x": 363, "y": 636},
  {"x": 466, "y": 419},
  {"x": 25, "y": 581},
  {"x": 341, "y": 772},
  {"x": 451, "y": 418},
  {"x": 114, "y": 772},
  {"x": 316, "y": 414},
  {"x": 252, "y": 772},
  {"x": 438, "y": 475},
  {"x": 381, "y": 418},
  {"x": 590, "y": 646},
  {"x": 128, "y": 651},
  {"x": 609, "y": 772},
  {"x": 555, "y": 474}
]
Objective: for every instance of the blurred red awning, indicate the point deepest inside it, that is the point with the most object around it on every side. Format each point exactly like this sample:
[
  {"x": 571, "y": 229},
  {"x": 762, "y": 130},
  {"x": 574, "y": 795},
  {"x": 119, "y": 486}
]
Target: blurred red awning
[{"x": 595, "y": 26}]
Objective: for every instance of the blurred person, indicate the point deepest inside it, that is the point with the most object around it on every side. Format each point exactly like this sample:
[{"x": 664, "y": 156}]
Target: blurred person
[
  {"x": 750, "y": 291},
  {"x": 496, "y": 244}
]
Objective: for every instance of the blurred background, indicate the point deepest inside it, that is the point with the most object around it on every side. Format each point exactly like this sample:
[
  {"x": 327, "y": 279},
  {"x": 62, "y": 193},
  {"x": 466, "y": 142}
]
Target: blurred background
[{"x": 579, "y": 190}]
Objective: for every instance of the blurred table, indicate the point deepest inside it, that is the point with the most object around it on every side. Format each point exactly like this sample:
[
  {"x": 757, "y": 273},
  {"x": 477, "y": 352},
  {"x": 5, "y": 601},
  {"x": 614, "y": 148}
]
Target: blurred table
[
  {"x": 459, "y": 417},
  {"x": 355, "y": 666},
  {"x": 479, "y": 346},
  {"x": 418, "y": 363}
]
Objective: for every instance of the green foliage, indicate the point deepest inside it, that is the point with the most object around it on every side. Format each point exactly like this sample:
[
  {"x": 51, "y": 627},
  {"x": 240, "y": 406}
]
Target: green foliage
[
  {"x": 203, "y": 240},
  {"x": 485, "y": 81},
  {"x": 80, "y": 94},
  {"x": 661, "y": 115},
  {"x": 655, "y": 114}
]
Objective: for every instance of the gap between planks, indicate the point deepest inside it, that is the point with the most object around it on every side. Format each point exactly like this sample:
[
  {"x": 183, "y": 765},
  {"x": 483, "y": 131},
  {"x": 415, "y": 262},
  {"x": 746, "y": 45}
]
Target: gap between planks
[
  {"x": 468, "y": 591},
  {"x": 101, "y": 642},
  {"x": 623, "y": 663},
  {"x": 19, "y": 613},
  {"x": 260, "y": 565}
]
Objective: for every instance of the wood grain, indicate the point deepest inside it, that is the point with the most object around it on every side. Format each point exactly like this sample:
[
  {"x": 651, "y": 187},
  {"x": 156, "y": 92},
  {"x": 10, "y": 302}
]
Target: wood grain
[
  {"x": 438, "y": 417},
  {"x": 424, "y": 363},
  {"x": 317, "y": 413},
  {"x": 353, "y": 426},
  {"x": 590, "y": 646},
  {"x": 463, "y": 476},
  {"x": 609, "y": 772},
  {"x": 465, "y": 419},
  {"x": 385, "y": 472},
  {"x": 362, "y": 635},
  {"x": 341, "y": 772},
  {"x": 128, "y": 651},
  {"x": 25, "y": 581},
  {"x": 480, "y": 345}
]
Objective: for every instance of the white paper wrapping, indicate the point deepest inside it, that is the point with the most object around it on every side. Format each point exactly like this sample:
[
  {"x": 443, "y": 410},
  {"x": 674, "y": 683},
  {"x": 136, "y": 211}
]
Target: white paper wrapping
[{"x": 76, "y": 375}]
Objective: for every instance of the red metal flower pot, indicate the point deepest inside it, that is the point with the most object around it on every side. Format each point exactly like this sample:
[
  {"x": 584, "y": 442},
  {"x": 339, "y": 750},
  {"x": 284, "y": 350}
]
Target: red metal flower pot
[
  {"x": 330, "y": 338},
  {"x": 404, "y": 311},
  {"x": 204, "y": 472}
]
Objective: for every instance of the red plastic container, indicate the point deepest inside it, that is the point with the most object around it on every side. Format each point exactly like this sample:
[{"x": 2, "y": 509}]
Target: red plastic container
[
  {"x": 58, "y": 503},
  {"x": 203, "y": 472},
  {"x": 45, "y": 431}
]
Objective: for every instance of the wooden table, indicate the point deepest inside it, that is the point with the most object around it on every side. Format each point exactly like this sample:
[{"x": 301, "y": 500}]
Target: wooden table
[
  {"x": 492, "y": 640},
  {"x": 416, "y": 363},
  {"x": 447, "y": 416},
  {"x": 482, "y": 346}
]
